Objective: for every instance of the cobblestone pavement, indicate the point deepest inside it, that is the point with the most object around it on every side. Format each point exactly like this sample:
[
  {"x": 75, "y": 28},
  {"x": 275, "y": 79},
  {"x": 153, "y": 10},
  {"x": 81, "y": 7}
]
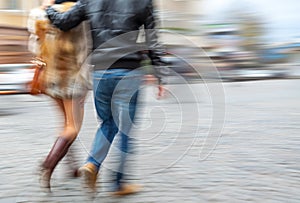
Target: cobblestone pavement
[{"x": 256, "y": 158}]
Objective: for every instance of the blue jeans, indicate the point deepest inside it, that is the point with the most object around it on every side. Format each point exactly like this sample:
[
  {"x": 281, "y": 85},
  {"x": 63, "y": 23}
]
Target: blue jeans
[{"x": 115, "y": 98}]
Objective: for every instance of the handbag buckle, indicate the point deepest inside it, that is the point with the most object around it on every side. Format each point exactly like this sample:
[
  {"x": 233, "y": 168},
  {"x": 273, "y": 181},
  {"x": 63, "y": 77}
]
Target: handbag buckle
[{"x": 39, "y": 62}]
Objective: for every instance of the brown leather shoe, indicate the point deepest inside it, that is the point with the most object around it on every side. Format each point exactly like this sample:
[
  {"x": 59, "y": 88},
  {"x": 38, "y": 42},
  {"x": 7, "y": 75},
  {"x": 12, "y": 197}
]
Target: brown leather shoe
[
  {"x": 127, "y": 189},
  {"x": 89, "y": 173}
]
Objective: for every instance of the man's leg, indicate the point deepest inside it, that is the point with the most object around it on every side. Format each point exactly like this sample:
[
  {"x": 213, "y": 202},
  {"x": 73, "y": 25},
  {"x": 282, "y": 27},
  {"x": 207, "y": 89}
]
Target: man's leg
[
  {"x": 103, "y": 88},
  {"x": 125, "y": 100},
  {"x": 102, "y": 141}
]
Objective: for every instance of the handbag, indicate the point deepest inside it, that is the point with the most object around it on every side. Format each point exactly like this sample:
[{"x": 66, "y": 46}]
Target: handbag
[{"x": 37, "y": 85}]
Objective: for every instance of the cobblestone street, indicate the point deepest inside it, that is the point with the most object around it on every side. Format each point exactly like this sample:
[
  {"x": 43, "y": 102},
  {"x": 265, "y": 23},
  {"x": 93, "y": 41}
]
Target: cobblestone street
[{"x": 178, "y": 155}]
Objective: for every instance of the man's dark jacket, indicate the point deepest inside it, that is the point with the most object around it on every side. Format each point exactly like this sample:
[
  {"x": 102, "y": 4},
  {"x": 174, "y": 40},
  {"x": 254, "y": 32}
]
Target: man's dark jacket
[{"x": 115, "y": 28}]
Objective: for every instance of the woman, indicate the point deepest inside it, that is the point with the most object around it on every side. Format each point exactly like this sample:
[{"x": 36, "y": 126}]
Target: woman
[{"x": 65, "y": 80}]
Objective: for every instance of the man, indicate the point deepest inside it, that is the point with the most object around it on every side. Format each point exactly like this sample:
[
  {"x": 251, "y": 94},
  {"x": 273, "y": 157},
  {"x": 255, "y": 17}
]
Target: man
[{"x": 117, "y": 58}]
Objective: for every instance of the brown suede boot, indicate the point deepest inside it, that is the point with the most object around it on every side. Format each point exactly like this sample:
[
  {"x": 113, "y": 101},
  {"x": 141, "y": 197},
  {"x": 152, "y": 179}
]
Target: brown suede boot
[
  {"x": 127, "y": 189},
  {"x": 89, "y": 174},
  {"x": 58, "y": 151}
]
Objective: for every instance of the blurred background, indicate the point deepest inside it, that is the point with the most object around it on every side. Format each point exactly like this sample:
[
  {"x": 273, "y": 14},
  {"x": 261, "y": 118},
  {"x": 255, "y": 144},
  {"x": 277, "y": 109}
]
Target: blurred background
[{"x": 243, "y": 40}]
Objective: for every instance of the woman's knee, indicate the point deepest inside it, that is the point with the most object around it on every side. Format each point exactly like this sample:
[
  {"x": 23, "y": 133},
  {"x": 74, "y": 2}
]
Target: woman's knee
[{"x": 70, "y": 132}]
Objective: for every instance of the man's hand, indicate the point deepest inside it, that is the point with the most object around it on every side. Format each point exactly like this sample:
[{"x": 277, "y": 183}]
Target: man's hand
[{"x": 47, "y": 3}]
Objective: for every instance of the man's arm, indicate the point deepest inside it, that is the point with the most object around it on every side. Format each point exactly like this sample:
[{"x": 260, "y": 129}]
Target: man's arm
[
  {"x": 156, "y": 50},
  {"x": 69, "y": 19}
]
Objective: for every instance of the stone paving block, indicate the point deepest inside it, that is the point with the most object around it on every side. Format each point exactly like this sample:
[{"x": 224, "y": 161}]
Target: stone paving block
[{"x": 255, "y": 158}]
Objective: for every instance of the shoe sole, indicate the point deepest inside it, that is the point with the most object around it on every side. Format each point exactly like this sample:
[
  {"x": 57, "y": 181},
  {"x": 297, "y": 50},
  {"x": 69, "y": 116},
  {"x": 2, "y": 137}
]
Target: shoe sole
[{"x": 127, "y": 191}]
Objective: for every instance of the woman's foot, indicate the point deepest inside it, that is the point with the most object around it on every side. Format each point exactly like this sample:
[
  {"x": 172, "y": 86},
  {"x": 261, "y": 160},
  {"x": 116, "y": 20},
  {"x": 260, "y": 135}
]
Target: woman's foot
[
  {"x": 57, "y": 152},
  {"x": 45, "y": 177}
]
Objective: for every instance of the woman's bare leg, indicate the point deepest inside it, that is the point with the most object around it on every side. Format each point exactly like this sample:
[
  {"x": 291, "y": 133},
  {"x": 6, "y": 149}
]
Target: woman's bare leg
[
  {"x": 73, "y": 111},
  {"x": 61, "y": 108}
]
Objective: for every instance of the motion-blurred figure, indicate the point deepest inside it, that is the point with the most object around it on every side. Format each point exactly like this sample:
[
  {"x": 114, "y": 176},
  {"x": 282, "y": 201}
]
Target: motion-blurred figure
[
  {"x": 65, "y": 80},
  {"x": 117, "y": 60}
]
